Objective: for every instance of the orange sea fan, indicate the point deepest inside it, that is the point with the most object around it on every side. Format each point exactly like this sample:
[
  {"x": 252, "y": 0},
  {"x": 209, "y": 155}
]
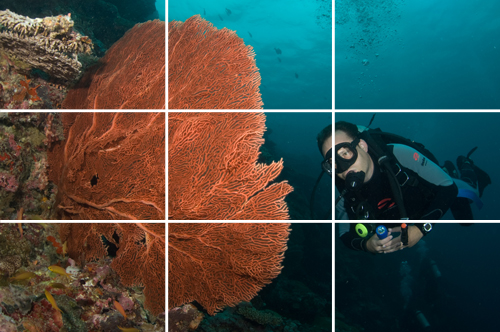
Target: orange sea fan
[
  {"x": 213, "y": 170},
  {"x": 210, "y": 68}
]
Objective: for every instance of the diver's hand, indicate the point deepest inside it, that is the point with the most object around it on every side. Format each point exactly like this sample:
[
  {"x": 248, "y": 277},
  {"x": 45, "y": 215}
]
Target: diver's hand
[
  {"x": 385, "y": 246},
  {"x": 414, "y": 235}
]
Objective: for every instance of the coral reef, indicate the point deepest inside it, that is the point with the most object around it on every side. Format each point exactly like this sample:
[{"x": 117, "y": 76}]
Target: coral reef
[
  {"x": 184, "y": 318},
  {"x": 139, "y": 261},
  {"x": 131, "y": 75},
  {"x": 298, "y": 299},
  {"x": 210, "y": 68},
  {"x": 27, "y": 91},
  {"x": 213, "y": 174},
  {"x": 111, "y": 166},
  {"x": 24, "y": 183},
  {"x": 257, "y": 321},
  {"x": 104, "y": 21},
  {"x": 55, "y": 32},
  {"x": 85, "y": 300},
  {"x": 307, "y": 306},
  {"x": 9, "y": 265},
  {"x": 262, "y": 317},
  {"x": 49, "y": 44},
  {"x": 222, "y": 265},
  {"x": 19, "y": 92}
]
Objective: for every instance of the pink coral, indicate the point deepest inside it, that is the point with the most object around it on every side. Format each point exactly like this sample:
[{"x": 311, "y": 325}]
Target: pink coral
[
  {"x": 38, "y": 178},
  {"x": 9, "y": 182},
  {"x": 14, "y": 145},
  {"x": 126, "y": 302}
]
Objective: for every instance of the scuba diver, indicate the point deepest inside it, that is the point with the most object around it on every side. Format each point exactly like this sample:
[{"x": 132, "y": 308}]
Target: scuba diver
[
  {"x": 382, "y": 176},
  {"x": 324, "y": 141}
]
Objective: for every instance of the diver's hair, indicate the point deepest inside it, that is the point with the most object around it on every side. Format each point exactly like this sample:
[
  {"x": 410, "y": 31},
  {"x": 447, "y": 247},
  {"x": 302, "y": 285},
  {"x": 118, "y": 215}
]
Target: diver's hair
[
  {"x": 322, "y": 136},
  {"x": 350, "y": 129}
]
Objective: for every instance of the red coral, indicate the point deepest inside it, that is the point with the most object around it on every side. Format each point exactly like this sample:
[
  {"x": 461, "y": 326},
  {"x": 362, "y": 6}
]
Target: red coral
[
  {"x": 56, "y": 244},
  {"x": 210, "y": 68},
  {"x": 140, "y": 259},
  {"x": 213, "y": 172},
  {"x": 130, "y": 75},
  {"x": 26, "y": 91},
  {"x": 44, "y": 317},
  {"x": 221, "y": 265},
  {"x": 111, "y": 166}
]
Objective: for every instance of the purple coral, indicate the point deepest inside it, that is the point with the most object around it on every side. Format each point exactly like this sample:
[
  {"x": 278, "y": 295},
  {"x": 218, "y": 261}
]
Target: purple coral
[{"x": 9, "y": 182}]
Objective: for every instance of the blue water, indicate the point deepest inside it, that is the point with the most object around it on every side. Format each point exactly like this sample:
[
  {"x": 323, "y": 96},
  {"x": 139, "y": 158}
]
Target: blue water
[
  {"x": 431, "y": 54},
  {"x": 160, "y": 7},
  {"x": 448, "y": 135},
  {"x": 297, "y": 28},
  {"x": 464, "y": 298},
  {"x": 295, "y": 137}
]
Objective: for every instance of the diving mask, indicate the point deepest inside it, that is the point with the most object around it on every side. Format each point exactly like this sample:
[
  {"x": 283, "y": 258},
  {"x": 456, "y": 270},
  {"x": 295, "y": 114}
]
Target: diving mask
[
  {"x": 327, "y": 163},
  {"x": 345, "y": 155}
]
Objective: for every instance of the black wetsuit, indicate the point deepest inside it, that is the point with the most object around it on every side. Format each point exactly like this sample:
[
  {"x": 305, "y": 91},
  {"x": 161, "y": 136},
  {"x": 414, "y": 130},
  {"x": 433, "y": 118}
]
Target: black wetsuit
[{"x": 427, "y": 195}]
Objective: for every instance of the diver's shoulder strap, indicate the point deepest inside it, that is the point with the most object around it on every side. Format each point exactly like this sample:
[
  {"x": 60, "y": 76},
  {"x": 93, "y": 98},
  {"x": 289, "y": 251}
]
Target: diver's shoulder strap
[{"x": 383, "y": 155}]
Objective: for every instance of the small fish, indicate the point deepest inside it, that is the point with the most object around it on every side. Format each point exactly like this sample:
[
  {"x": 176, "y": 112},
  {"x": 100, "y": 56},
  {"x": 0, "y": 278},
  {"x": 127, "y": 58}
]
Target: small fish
[
  {"x": 220, "y": 18},
  {"x": 250, "y": 34},
  {"x": 57, "y": 285},
  {"x": 228, "y": 12},
  {"x": 23, "y": 276},
  {"x": 59, "y": 270},
  {"x": 52, "y": 300},
  {"x": 119, "y": 307},
  {"x": 278, "y": 51},
  {"x": 65, "y": 248},
  {"x": 204, "y": 12},
  {"x": 279, "y": 59},
  {"x": 296, "y": 75},
  {"x": 129, "y": 329}
]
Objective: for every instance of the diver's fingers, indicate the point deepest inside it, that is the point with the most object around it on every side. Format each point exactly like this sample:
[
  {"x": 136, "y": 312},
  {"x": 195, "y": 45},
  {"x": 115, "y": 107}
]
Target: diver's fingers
[
  {"x": 396, "y": 247},
  {"x": 390, "y": 244},
  {"x": 393, "y": 244},
  {"x": 394, "y": 229},
  {"x": 384, "y": 242}
]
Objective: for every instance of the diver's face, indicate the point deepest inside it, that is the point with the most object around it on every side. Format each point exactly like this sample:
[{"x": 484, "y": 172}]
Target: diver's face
[{"x": 364, "y": 162}]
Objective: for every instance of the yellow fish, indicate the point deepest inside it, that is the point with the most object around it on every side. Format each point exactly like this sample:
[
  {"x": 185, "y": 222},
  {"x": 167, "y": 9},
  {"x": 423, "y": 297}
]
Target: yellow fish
[
  {"x": 59, "y": 270},
  {"x": 52, "y": 300},
  {"x": 57, "y": 285},
  {"x": 129, "y": 329},
  {"x": 23, "y": 276},
  {"x": 119, "y": 307}
]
